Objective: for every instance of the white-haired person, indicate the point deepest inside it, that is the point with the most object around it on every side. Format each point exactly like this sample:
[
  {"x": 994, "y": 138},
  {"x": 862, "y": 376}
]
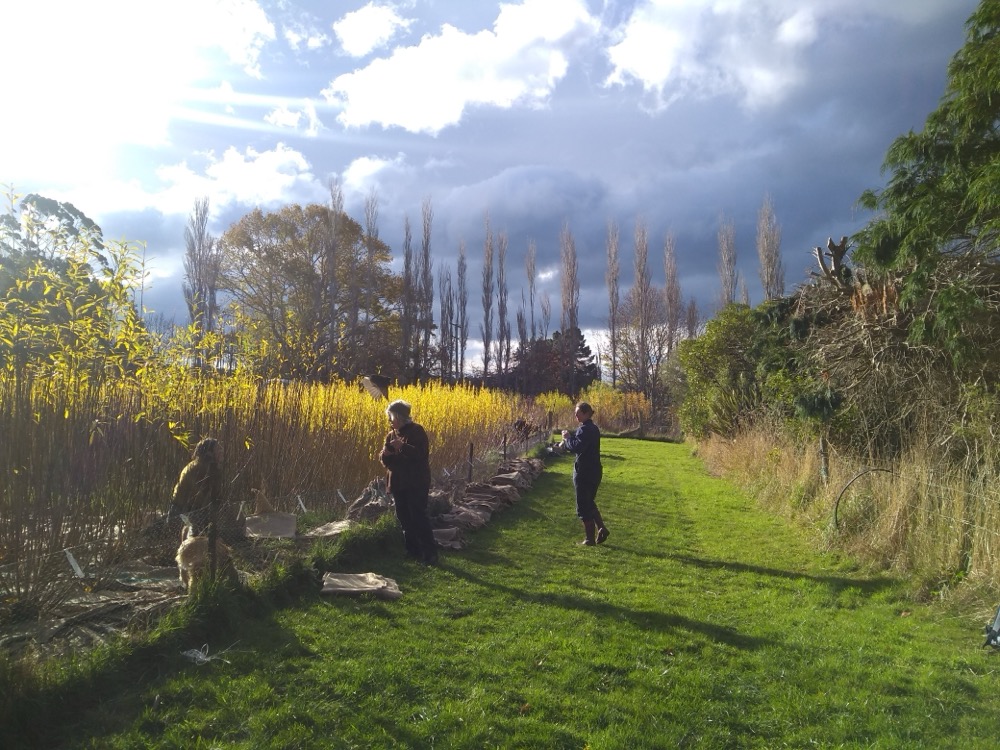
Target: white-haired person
[
  {"x": 406, "y": 455},
  {"x": 587, "y": 473}
]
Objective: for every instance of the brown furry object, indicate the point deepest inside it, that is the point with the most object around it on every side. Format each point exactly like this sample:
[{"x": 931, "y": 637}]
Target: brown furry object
[
  {"x": 263, "y": 505},
  {"x": 192, "y": 557}
]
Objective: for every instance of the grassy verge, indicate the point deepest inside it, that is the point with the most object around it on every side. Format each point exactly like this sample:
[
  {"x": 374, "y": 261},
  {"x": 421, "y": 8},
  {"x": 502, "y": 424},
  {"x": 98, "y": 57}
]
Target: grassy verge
[
  {"x": 702, "y": 622},
  {"x": 924, "y": 517}
]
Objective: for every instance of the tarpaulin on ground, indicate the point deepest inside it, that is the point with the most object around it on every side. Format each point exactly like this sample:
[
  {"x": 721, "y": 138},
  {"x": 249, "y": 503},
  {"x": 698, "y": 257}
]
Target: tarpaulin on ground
[
  {"x": 360, "y": 583},
  {"x": 271, "y": 526},
  {"x": 330, "y": 530}
]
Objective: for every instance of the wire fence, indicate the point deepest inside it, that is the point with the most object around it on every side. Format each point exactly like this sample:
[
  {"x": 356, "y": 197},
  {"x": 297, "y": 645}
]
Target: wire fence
[{"x": 985, "y": 497}]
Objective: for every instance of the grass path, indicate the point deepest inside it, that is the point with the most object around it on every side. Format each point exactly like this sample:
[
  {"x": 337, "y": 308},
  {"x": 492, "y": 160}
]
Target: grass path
[{"x": 702, "y": 622}]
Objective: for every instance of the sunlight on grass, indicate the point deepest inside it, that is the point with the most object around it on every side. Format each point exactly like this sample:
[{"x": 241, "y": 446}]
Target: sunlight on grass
[{"x": 702, "y": 622}]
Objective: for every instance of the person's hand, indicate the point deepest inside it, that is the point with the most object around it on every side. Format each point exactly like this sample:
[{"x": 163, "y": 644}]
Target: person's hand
[{"x": 565, "y": 434}]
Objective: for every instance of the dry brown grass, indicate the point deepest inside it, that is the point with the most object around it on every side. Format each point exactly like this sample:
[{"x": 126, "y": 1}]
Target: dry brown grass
[{"x": 936, "y": 523}]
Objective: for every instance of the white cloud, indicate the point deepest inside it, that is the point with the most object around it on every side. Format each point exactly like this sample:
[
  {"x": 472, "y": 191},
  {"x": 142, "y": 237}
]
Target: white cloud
[
  {"x": 426, "y": 88},
  {"x": 751, "y": 49},
  {"x": 87, "y": 78},
  {"x": 283, "y": 117},
  {"x": 278, "y": 175},
  {"x": 368, "y": 28},
  {"x": 548, "y": 273},
  {"x": 239, "y": 27},
  {"x": 260, "y": 177},
  {"x": 226, "y": 94},
  {"x": 313, "y": 123},
  {"x": 798, "y": 30},
  {"x": 362, "y": 173},
  {"x": 300, "y": 117},
  {"x": 654, "y": 43},
  {"x": 300, "y": 36}
]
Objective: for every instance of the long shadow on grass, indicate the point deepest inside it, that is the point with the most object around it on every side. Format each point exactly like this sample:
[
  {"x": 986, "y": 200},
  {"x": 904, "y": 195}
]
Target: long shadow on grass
[
  {"x": 867, "y": 586},
  {"x": 651, "y": 620},
  {"x": 107, "y": 701}
]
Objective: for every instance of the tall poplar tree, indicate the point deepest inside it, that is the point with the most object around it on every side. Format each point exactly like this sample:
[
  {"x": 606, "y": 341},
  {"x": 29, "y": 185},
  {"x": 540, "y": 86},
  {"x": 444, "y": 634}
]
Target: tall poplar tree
[
  {"x": 674, "y": 305},
  {"x": 449, "y": 342},
  {"x": 772, "y": 272},
  {"x": 425, "y": 285},
  {"x": 612, "y": 278},
  {"x": 462, "y": 312},
  {"x": 728, "y": 275},
  {"x": 202, "y": 268},
  {"x": 371, "y": 243},
  {"x": 570, "y": 289},
  {"x": 329, "y": 276},
  {"x": 503, "y": 319},
  {"x": 409, "y": 307},
  {"x": 486, "y": 329},
  {"x": 529, "y": 271}
]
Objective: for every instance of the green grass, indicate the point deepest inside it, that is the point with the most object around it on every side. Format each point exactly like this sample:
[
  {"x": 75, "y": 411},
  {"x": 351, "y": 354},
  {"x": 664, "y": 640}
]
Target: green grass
[{"x": 702, "y": 622}]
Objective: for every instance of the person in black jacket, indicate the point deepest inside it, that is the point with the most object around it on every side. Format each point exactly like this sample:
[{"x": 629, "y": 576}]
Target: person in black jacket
[
  {"x": 406, "y": 455},
  {"x": 587, "y": 473}
]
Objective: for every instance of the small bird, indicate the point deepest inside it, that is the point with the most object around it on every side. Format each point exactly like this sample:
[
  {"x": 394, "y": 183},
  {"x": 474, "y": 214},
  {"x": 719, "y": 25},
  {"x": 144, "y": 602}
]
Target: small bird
[{"x": 377, "y": 386}]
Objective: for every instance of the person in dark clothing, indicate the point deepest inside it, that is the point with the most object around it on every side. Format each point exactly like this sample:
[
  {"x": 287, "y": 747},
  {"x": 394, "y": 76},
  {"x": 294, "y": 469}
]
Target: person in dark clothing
[
  {"x": 406, "y": 455},
  {"x": 587, "y": 473}
]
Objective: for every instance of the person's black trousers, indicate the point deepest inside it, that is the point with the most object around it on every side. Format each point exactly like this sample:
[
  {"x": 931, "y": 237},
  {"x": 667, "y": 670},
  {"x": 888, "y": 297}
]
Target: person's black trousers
[{"x": 418, "y": 537}]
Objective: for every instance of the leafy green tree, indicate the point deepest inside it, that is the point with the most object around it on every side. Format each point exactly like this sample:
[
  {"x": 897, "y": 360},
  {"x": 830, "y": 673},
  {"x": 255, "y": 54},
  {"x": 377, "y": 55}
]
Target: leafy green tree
[
  {"x": 58, "y": 316},
  {"x": 582, "y": 369},
  {"x": 39, "y": 227},
  {"x": 939, "y": 215},
  {"x": 744, "y": 368},
  {"x": 560, "y": 363},
  {"x": 273, "y": 268},
  {"x": 461, "y": 331},
  {"x": 536, "y": 367},
  {"x": 424, "y": 283}
]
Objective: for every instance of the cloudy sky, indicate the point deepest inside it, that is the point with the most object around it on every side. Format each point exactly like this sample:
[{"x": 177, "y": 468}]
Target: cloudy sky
[{"x": 541, "y": 113}]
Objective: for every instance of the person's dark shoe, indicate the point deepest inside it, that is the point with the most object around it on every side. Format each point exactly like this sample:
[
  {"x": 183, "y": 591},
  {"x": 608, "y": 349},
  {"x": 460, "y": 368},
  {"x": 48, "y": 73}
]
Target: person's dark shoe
[
  {"x": 432, "y": 561},
  {"x": 602, "y": 535},
  {"x": 587, "y": 543}
]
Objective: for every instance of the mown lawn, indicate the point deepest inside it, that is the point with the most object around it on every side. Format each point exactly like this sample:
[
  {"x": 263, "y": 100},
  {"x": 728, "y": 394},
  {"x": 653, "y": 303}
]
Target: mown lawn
[{"x": 702, "y": 622}]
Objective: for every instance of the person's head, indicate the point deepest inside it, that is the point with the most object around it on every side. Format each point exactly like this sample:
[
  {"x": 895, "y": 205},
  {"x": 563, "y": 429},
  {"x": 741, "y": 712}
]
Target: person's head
[
  {"x": 398, "y": 413},
  {"x": 583, "y": 411},
  {"x": 208, "y": 449}
]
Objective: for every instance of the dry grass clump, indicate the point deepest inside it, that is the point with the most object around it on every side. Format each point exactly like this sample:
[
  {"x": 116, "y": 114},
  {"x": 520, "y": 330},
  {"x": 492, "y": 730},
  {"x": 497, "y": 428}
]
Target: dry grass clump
[
  {"x": 937, "y": 523},
  {"x": 783, "y": 475}
]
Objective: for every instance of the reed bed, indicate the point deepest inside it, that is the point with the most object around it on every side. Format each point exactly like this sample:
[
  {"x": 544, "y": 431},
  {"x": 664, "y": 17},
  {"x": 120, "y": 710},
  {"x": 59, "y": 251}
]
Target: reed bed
[
  {"x": 88, "y": 466},
  {"x": 91, "y": 460}
]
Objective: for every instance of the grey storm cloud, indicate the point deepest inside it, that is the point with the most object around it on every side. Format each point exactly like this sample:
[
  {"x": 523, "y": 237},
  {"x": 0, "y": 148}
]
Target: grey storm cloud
[{"x": 798, "y": 101}]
